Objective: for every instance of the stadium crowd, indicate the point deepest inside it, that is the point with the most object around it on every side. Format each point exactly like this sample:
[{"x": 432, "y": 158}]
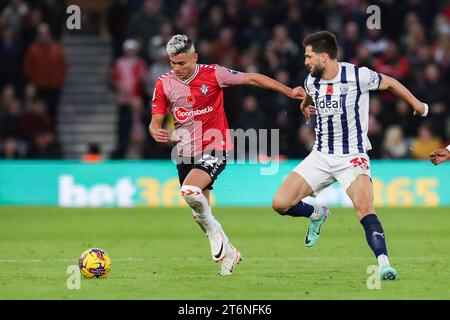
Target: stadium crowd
[{"x": 413, "y": 46}]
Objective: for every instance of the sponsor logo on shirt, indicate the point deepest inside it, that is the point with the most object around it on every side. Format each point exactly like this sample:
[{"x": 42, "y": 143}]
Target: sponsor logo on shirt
[
  {"x": 328, "y": 107},
  {"x": 181, "y": 114}
]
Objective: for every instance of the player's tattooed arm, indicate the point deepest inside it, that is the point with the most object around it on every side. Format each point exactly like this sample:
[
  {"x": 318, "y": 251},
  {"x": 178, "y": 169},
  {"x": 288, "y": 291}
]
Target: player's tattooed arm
[
  {"x": 262, "y": 81},
  {"x": 156, "y": 129},
  {"x": 391, "y": 84}
]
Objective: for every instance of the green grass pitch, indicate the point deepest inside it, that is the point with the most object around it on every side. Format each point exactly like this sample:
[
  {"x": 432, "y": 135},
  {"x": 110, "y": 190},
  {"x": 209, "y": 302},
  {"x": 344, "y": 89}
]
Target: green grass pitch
[{"x": 162, "y": 254}]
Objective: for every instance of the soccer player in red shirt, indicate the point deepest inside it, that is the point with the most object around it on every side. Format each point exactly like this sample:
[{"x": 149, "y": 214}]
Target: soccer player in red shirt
[{"x": 193, "y": 94}]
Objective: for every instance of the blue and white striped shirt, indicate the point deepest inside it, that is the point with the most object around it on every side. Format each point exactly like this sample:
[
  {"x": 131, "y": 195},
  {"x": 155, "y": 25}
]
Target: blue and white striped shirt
[{"x": 342, "y": 106}]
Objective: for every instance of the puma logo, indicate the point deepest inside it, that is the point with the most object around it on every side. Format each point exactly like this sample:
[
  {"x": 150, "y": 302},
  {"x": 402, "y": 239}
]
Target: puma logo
[{"x": 375, "y": 233}]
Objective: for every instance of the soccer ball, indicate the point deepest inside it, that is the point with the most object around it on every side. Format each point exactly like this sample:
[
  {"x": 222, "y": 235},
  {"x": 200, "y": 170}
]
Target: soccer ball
[{"x": 95, "y": 262}]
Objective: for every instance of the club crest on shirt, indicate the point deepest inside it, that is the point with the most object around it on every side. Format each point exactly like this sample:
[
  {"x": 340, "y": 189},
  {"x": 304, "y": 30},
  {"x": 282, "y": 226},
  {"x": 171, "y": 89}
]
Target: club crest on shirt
[
  {"x": 204, "y": 89},
  {"x": 344, "y": 88}
]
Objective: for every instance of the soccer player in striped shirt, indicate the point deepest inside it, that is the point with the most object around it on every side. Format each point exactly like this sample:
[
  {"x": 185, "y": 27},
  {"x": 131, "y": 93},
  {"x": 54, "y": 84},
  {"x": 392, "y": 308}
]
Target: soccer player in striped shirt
[
  {"x": 340, "y": 93},
  {"x": 193, "y": 94}
]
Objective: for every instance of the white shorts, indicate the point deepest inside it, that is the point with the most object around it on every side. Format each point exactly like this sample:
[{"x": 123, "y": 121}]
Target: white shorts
[{"x": 321, "y": 170}]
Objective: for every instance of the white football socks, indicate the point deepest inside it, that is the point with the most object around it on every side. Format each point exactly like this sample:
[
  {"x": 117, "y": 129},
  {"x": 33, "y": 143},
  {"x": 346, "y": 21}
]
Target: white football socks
[
  {"x": 201, "y": 209},
  {"x": 316, "y": 214},
  {"x": 383, "y": 260}
]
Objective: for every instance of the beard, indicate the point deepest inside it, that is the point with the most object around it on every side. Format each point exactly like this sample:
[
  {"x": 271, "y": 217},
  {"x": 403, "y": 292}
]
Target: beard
[{"x": 317, "y": 72}]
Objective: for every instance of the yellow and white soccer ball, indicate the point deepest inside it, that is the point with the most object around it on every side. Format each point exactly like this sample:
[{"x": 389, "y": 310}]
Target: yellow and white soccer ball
[{"x": 95, "y": 262}]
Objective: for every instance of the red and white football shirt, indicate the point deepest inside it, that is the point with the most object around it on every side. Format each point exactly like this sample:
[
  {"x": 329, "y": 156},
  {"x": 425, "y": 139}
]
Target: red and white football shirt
[{"x": 196, "y": 105}]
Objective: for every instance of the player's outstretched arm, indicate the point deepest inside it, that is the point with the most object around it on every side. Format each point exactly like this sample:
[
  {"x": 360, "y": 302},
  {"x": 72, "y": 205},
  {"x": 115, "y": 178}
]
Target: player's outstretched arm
[
  {"x": 156, "y": 129},
  {"x": 391, "y": 84},
  {"x": 260, "y": 80},
  {"x": 440, "y": 155}
]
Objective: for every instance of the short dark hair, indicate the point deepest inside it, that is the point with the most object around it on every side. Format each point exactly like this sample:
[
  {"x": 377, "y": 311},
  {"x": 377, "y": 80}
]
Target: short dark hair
[{"x": 322, "y": 41}]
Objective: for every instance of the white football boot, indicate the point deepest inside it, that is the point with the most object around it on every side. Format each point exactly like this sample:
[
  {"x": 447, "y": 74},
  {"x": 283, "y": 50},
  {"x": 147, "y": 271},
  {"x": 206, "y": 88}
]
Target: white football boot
[
  {"x": 217, "y": 241},
  {"x": 231, "y": 259}
]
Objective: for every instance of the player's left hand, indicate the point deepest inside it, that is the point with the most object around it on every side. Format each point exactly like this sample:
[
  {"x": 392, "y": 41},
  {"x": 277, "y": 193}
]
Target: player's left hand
[
  {"x": 421, "y": 110},
  {"x": 439, "y": 156},
  {"x": 297, "y": 93}
]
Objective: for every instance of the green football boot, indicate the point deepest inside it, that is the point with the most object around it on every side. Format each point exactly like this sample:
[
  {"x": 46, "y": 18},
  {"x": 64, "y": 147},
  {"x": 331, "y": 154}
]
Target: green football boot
[
  {"x": 388, "y": 273},
  {"x": 313, "y": 232}
]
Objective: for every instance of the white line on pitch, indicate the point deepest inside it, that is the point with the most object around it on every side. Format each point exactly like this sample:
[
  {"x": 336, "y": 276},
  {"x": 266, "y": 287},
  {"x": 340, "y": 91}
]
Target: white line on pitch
[{"x": 132, "y": 259}]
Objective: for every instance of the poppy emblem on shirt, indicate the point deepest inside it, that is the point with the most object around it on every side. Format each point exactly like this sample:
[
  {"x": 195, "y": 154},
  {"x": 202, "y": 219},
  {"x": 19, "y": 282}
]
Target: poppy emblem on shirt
[
  {"x": 190, "y": 100},
  {"x": 204, "y": 89},
  {"x": 329, "y": 89}
]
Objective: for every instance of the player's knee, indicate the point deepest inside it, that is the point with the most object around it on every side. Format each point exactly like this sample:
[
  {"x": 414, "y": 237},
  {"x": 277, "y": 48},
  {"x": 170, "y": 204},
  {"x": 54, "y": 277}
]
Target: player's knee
[
  {"x": 279, "y": 206},
  {"x": 191, "y": 194}
]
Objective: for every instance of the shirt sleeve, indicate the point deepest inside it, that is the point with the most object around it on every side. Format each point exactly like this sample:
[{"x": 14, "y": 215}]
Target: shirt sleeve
[
  {"x": 369, "y": 79},
  {"x": 305, "y": 86},
  {"x": 159, "y": 100},
  {"x": 227, "y": 77}
]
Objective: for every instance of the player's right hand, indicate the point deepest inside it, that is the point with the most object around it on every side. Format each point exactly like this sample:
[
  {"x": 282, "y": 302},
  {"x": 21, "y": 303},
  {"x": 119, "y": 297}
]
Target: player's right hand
[
  {"x": 439, "y": 156},
  {"x": 161, "y": 135},
  {"x": 308, "y": 112},
  {"x": 297, "y": 93}
]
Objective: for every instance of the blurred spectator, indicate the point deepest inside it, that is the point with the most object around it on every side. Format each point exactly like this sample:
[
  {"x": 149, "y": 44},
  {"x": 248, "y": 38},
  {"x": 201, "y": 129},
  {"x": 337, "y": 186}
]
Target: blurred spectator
[
  {"x": 14, "y": 13},
  {"x": 403, "y": 117},
  {"x": 303, "y": 144},
  {"x": 54, "y": 14},
  {"x": 35, "y": 120},
  {"x": 250, "y": 117},
  {"x": 188, "y": 14},
  {"x": 255, "y": 32},
  {"x": 161, "y": 66},
  {"x": 419, "y": 59},
  {"x": 285, "y": 50},
  {"x": 118, "y": 18},
  {"x": 128, "y": 76},
  {"x": 10, "y": 57},
  {"x": 30, "y": 26},
  {"x": 394, "y": 144},
  {"x": 10, "y": 149},
  {"x": 224, "y": 52},
  {"x": 93, "y": 154},
  {"x": 375, "y": 135},
  {"x": 8, "y": 95},
  {"x": 363, "y": 57},
  {"x": 159, "y": 41},
  {"x": 414, "y": 35},
  {"x": 137, "y": 148},
  {"x": 44, "y": 147},
  {"x": 432, "y": 89},
  {"x": 425, "y": 143},
  {"x": 294, "y": 24},
  {"x": 350, "y": 41},
  {"x": 211, "y": 27},
  {"x": 10, "y": 121},
  {"x": 146, "y": 23},
  {"x": 392, "y": 63},
  {"x": 375, "y": 42},
  {"x": 395, "y": 65},
  {"x": 45, "y": 66},
  {"x": 29, "y": 96}
]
